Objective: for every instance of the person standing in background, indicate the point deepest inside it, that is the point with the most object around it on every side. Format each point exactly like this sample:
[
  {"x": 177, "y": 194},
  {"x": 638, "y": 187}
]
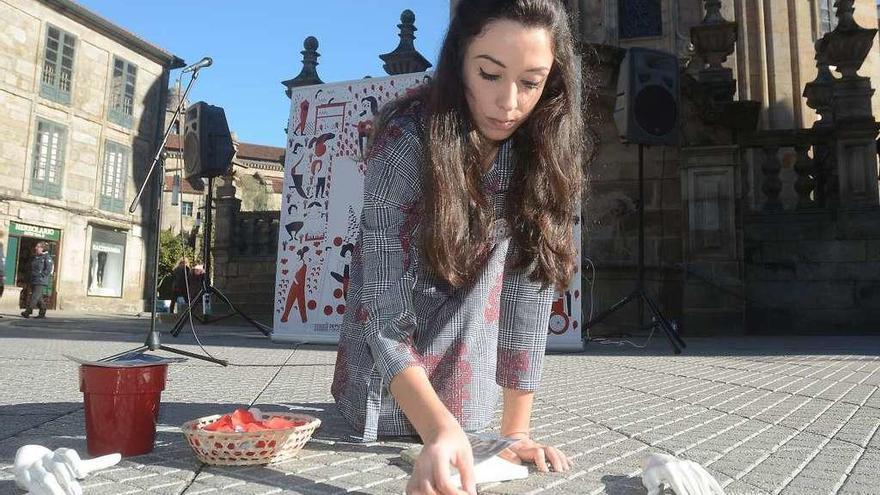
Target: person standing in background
[
  {"x": 2, "y": 263},
  {"x": 40, "y": 274}
]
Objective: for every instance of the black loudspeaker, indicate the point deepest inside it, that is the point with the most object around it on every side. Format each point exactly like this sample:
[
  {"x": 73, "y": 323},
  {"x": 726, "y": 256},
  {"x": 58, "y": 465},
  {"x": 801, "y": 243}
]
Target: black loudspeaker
[
  {"x": 646, "y": 110},
  {"x": 207, "y": 144}
]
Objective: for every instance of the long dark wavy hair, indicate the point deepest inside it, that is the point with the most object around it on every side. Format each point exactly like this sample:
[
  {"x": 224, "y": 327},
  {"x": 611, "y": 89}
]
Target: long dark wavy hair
[{"x": 548, "y": 148}]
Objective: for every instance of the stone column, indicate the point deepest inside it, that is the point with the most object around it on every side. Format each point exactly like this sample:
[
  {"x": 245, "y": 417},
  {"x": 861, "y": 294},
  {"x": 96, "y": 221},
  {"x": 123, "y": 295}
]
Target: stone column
[
  {"x": 819, "y": 94},
  {"x": 846, "y": 48},
  {"x": 228, "y": 207}
]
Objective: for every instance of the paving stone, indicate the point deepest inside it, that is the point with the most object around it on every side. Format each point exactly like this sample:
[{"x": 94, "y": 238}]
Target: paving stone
[{"x": 790, "y": 415}]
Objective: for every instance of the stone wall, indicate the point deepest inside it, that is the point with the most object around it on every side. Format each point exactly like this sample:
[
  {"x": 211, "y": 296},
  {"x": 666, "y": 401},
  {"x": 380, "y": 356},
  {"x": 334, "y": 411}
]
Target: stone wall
[
  {"x": 87, "y": 129},
  {"x": 813, "y": 272},
  {"x": 244, "y": 252}
]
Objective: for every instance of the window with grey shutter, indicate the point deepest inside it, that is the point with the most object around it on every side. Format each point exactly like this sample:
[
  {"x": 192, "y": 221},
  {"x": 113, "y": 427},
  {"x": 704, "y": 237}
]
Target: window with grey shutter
[
  {"x": 639, "y": 18},
  {"x": 122, "y": 92},
  {"x": 57, "y": 77},
  {"x": 116, "y": 158},
  {"x": 48, "y": 161}
]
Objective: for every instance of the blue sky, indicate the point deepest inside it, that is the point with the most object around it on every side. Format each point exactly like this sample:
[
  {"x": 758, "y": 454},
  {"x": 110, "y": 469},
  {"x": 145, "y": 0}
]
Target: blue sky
[{"x": 255, "y": 45}]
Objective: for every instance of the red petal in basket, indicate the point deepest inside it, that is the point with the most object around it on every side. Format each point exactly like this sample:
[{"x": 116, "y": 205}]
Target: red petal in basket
[
  {"x": 243, "y": 421},
  {"x": 241, "y": 418},
  {"x": 279, "y": 423},
  {"x": 256, "y": 426},
  {"x": 223, "y": 424}
]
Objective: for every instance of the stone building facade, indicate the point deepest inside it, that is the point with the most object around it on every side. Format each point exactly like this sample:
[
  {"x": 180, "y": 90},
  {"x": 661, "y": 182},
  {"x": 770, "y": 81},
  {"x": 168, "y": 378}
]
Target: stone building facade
[
  {"x": 765, "y": 217},
  {"x": 774, "y": 55},
  {"x": 82, "y": 106},
  {"x": 719, "y": 257}
]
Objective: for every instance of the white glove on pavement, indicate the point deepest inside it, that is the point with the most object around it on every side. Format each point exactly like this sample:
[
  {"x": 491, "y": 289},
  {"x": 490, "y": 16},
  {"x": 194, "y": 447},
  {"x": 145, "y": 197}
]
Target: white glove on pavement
[
  {"x": 684, "y": 477},
  {"x": 43, "y": 472}
]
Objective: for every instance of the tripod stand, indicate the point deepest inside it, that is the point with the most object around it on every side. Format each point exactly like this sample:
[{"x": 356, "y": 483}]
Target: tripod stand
[
  {"x": 152, "y": 341},
  {"x": 207, "y": 289},
  {"x": 639, "y": 293}
]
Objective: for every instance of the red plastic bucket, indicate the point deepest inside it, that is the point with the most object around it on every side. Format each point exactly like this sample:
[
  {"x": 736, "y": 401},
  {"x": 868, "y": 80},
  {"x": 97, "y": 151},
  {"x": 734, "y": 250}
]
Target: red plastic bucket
[{"x": 122, "y": 407}]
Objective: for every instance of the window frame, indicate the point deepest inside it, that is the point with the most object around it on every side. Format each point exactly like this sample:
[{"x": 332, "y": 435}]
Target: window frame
[
  {"x": 121, "y": 164},
  {"x": 119, "y": 110},
  {"x": 54, "y": 89},
  {"x": 45, "y": 187}
]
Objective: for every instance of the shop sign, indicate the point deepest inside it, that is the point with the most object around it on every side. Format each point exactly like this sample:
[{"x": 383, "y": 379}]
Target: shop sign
[{"x": 27, "y": 230}]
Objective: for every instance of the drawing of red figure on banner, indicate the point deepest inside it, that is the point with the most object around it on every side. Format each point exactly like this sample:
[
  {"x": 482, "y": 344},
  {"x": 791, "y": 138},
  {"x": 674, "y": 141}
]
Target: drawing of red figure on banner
[
  {"x": 296, "y": 293},
  {"x": 303, "y": 118},
  {"x": 321, "y": 164}
]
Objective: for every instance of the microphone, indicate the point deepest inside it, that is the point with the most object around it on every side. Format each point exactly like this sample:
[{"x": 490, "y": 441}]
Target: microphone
[{"x": 205, "y": 62}]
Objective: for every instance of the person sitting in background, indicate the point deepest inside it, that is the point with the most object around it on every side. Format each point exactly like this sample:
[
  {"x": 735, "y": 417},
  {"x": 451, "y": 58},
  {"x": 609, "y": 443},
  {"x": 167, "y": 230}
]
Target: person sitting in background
[
  {"x": 196, "y": 281},
  {"x": 179, "y": 276}
]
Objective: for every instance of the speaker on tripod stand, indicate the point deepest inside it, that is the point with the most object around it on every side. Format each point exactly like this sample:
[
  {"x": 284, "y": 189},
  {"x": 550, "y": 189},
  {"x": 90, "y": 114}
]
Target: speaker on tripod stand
[
  {"x": 646, "y": 112},
  {"x": 207, "y": 153},
  {"x": 207, "y": 142}
]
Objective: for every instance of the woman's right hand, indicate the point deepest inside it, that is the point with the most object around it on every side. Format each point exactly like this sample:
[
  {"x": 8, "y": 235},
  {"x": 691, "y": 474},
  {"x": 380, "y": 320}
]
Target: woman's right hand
[{"x": 432, "y": 474}]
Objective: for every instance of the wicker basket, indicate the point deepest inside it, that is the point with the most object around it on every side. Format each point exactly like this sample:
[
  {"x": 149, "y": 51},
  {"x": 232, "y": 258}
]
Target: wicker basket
[{"x": 247, "y": 448}]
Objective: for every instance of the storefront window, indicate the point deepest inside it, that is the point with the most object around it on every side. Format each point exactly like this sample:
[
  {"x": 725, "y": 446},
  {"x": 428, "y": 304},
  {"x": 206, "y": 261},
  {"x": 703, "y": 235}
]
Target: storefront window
[{"x": 106, "y": 262}]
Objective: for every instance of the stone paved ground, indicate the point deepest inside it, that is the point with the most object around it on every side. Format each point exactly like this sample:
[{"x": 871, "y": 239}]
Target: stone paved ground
[{"x": 789, "y": 415}]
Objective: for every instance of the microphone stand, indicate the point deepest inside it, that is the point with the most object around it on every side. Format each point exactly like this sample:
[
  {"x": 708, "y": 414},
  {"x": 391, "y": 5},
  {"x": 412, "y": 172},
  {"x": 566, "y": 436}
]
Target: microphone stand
[{"x": 152, "y": 341}]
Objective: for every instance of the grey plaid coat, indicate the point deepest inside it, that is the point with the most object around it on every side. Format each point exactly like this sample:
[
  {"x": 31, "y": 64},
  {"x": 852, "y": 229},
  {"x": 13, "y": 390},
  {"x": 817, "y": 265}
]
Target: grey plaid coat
[{"x": 470, "y": 341}]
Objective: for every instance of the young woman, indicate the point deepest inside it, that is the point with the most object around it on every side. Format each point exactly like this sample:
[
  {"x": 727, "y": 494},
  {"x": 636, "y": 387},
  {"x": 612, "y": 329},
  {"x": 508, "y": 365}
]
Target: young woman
[{"x": 470, "y": 196}]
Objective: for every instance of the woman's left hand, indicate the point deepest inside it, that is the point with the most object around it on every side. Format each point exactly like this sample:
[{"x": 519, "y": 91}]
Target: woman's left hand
[{"x": 528, "y": 450}]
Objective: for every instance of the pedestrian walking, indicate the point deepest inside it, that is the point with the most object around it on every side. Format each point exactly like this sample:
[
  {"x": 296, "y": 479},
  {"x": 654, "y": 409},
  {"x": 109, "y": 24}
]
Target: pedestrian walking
[
  {"x": 2, "y": 263},
  {"x": 41, "y": 269}
]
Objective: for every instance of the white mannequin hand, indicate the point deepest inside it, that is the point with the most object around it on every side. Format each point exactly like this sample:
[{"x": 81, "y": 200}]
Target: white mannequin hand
[
  {"x": 684, "y": 477},
  {"x": 44, "y": 472},
  {"x": 82, "y": 468},
  {"x": 63, "y": 474}
]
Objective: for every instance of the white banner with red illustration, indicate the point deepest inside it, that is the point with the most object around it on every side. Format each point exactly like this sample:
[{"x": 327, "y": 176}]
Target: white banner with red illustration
[{"x": 321, "y": 206}]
